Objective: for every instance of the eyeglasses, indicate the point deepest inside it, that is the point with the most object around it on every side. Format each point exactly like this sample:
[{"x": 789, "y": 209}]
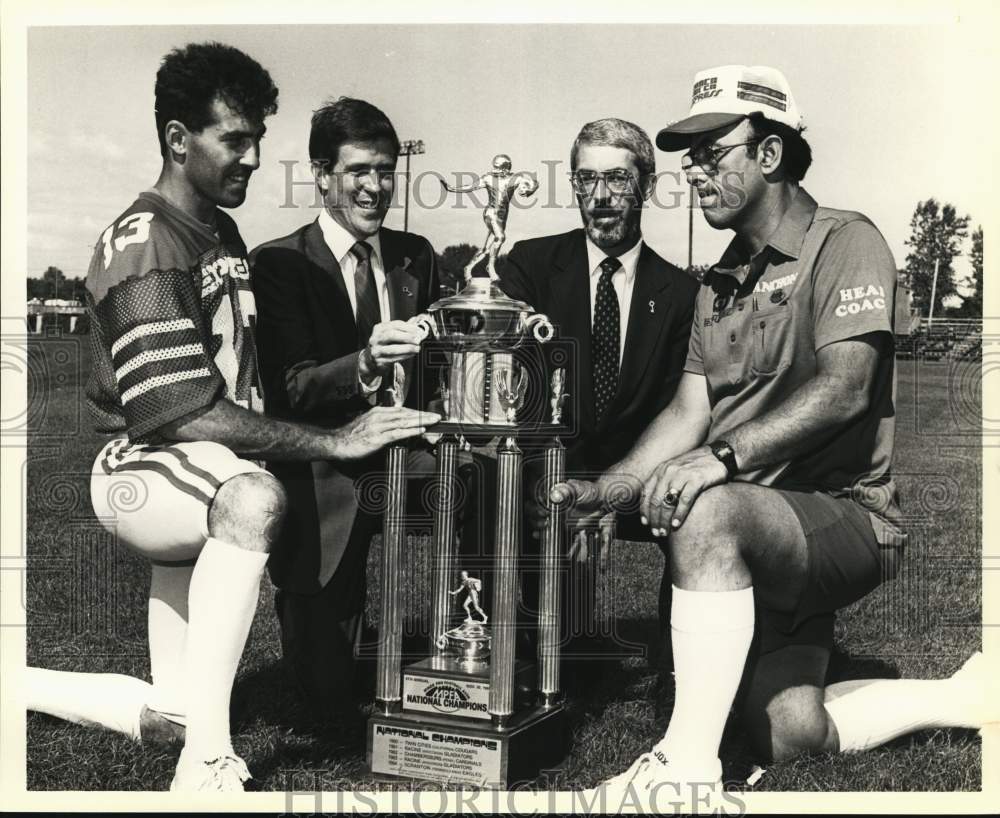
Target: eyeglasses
[
  {"x": 616, "y": 181},
  {"x": 707, "y": 157}
]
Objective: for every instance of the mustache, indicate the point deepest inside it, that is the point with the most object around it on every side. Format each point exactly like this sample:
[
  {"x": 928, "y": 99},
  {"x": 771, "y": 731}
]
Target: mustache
[{"x": 605, "y": 212}]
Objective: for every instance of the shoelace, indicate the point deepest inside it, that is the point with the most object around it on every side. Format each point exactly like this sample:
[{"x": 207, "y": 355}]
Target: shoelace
[
  {"x": 640, "y": 767},
  {"x": 224, "y": 767}
]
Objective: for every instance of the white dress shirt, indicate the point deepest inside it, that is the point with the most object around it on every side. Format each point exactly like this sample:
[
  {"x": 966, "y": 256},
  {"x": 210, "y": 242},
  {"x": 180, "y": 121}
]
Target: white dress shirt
[
  {"x": 623, "y": 280},
  {"x": 340, "y": 243}
]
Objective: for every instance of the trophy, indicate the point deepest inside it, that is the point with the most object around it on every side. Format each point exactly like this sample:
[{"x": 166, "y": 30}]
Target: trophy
[{"x": 471, "y": 712}]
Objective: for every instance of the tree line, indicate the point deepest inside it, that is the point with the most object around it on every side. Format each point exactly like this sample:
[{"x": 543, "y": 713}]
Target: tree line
[
  {"x": 54, "y": 284},
  {"x": 937, "y": 233}
]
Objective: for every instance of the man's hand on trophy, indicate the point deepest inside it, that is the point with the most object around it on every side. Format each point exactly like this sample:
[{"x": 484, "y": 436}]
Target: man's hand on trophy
[
  {"x": 614, "y": 491},
  {"x": 437, "y": 406},
  {"x": 590, "y": 515},
  {"x": 592, "y": 508},
  {"x": 579, "y": 495},
  {"x": 379, "y": 427},
  {"x": 536, "y": 514},
  {"x": 391, "y": 342},
  {"x": 592, "y": 541}
]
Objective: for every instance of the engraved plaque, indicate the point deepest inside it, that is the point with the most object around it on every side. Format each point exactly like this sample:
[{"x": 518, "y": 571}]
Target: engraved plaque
[{"x": 424, "y": 752}]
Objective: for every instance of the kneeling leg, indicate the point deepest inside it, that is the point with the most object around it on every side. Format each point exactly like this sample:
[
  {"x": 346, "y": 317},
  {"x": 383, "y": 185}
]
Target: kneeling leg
[
  {"x": 243, "y": 523},
  {"x": 783, "y": 709}
]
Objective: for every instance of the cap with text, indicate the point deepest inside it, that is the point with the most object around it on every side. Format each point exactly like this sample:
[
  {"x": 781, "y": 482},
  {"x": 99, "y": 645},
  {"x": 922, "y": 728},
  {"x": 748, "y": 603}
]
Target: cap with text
[{"x": 724, "y": 95}]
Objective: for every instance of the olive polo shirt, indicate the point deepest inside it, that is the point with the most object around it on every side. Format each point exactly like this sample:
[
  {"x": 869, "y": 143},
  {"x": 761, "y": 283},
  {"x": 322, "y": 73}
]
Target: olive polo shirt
[{"x": 824, "y": 275}]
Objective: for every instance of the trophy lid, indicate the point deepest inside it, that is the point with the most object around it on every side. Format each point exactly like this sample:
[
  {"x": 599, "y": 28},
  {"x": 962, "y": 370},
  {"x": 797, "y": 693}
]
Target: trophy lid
[{"x": 481, "y": 292}]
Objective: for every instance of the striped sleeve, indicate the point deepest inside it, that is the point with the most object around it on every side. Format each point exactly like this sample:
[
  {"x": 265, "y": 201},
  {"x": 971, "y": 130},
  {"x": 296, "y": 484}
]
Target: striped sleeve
[{"x": 158, "y": 344}]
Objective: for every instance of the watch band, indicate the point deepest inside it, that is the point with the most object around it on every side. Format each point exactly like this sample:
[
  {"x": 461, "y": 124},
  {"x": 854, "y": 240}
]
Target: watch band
[{"x": 725, "y": 454}]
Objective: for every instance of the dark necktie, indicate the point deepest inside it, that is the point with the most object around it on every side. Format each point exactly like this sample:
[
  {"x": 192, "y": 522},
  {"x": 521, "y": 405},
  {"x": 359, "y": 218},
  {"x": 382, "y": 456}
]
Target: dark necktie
[
  {"x": 605, "y": 337},
  {"x": 368, "y": 312}
]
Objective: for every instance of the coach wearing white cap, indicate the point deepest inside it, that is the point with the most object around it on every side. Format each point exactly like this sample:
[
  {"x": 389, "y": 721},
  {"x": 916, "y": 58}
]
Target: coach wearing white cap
[{"x": 770, "y": 471}]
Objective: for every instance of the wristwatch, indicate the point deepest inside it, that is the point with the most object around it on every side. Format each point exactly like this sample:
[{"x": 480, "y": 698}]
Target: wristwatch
[{"x": 725, "y": 454}]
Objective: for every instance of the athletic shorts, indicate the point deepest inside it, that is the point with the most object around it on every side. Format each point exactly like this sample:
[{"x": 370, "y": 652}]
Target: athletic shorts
[
  {"x": 845, "y": 563},
  {"x": 155, "y": 499}
]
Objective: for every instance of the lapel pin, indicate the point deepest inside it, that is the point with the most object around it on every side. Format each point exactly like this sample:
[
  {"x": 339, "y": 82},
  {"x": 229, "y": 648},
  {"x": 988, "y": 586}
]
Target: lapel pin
[{"x": 652, "y": 307}]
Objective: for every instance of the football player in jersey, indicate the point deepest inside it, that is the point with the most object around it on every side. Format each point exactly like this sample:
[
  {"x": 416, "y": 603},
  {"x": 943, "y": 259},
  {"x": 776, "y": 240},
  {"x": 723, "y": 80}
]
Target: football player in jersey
[{"x": 175, "y": 386}]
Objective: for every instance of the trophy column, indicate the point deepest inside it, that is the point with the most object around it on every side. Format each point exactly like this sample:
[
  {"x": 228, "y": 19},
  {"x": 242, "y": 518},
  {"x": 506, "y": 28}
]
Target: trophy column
[
  {"x": 469, "y": 712},
  {"x": 508, "y": 535},
  {"x": 444, "y": 533},
  {"x": 549, "y": 593},
  {"x": 388, "y": 681}
]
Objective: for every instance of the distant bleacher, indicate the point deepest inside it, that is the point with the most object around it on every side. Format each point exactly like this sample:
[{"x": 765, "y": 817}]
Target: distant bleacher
[{"x": 942, "y": 339}]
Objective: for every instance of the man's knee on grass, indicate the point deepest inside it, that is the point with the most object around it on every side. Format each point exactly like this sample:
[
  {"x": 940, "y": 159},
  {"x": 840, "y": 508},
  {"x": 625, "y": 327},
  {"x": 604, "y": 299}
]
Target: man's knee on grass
[
  {"x": 792, "y": 723},
  {"x": 248, "y": 511}
]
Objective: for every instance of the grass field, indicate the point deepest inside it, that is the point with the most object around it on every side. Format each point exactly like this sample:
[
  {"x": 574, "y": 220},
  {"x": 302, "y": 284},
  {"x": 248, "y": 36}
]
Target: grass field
[{"x": 86, "y": 611}]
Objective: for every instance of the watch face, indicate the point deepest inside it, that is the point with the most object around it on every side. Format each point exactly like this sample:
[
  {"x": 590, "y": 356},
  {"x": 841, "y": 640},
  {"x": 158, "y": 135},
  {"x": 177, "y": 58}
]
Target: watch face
[{"x": 724, "y": 452}]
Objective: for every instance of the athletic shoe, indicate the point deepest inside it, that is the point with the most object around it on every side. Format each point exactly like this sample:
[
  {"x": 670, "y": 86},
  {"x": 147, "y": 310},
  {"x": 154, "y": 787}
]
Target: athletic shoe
[
  {"x": 654, "y": 785},
  {"x": 158, "y": 732},
  {"x": 223, "y": 774}
]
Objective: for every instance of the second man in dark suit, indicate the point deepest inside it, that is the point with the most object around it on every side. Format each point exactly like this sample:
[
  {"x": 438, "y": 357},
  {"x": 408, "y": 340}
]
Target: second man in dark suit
[
  {"x": 623, "y": 312},
  {"x": 334, "y": 302}
]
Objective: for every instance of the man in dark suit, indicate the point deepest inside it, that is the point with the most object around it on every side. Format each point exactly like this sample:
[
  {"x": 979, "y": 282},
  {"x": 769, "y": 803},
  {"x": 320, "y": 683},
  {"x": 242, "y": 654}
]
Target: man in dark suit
[
  {"x": 334, "y": 302},
  {"x": 622, "y": 313}
]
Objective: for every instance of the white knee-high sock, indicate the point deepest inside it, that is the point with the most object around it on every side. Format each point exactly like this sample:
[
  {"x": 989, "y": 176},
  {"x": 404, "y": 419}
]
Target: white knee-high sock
[
  {"x": 711, "y": 633},
  {"x": 221, "y": 604},
  {"x": 109, "y": 700},
  {"x": 869, "y": 712},
  {"x": 168, "y": 615}
]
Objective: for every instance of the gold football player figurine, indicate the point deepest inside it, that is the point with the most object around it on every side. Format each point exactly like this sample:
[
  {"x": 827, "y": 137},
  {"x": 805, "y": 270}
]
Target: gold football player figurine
[
  {"x": 500, "y": 185},
  {"x": 472, "y": 587}
]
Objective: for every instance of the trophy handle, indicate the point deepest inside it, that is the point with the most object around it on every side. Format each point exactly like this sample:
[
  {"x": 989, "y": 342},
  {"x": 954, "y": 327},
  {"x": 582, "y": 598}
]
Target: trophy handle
[
  {"x": 426, "y": 323},
  {"x": 539, "y": 325}
]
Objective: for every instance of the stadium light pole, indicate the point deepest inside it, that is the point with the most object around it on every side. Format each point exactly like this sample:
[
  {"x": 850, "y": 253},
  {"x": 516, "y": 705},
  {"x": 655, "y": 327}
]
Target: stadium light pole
[
  {"x": 408, "y": 148},
  {"x": 930, "y": 312}
]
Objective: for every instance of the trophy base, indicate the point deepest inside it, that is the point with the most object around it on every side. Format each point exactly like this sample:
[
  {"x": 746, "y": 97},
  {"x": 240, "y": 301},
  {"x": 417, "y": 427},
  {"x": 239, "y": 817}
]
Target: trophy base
[
  {"x": 470, "y": 642},
  {"x": 451, "y": 750},
  {"x": 455, "y": 688}
]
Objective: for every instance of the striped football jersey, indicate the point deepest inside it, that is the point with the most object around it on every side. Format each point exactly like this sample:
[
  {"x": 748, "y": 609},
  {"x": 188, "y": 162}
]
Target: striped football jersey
[{"x": 172, "y": 319}]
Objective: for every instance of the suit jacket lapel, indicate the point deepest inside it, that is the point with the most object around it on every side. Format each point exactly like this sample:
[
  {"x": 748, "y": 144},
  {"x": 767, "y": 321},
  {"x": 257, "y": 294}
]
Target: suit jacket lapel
[
  {"x": 646, "y": 320},
  {"x": 332, "y": 291},
  {"x": 571, "y": 314},
  {"x": 404, "y": 290},
  {"x": 403, "y": 285}
]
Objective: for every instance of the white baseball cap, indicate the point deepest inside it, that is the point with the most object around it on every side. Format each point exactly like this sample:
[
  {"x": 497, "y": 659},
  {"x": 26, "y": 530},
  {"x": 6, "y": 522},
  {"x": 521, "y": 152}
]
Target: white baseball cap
[{"x": 724, "y": 95}]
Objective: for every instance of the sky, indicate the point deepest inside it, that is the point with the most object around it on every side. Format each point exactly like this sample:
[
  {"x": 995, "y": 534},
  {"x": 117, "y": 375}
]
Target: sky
[{"x": 892, "y": 114}]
